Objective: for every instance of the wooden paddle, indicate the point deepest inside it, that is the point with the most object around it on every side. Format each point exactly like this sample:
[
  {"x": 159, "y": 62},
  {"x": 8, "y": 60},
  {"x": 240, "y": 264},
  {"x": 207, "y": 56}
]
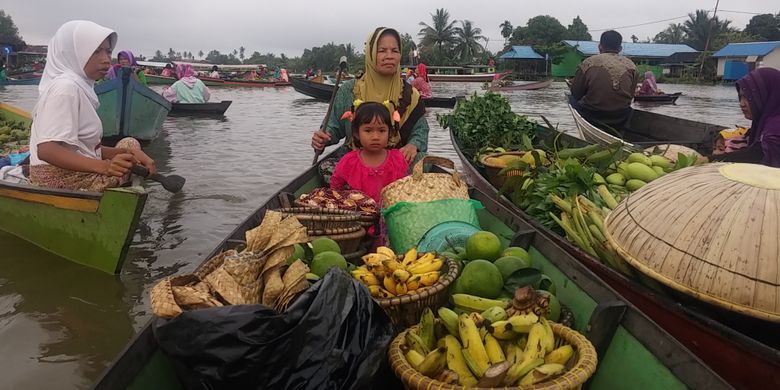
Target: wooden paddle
[
  {"x": 342, "y": 67},
  {"x": 172, "y": 183}
]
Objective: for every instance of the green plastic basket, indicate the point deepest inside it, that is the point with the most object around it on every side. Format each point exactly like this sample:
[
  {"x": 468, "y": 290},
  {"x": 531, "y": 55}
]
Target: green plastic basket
[{"x": 445, "y": 235}]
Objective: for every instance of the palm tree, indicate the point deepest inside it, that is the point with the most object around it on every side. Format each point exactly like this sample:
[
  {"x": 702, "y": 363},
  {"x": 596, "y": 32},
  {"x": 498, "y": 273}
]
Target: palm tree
[
  {"x": 441, "y": 34},
  {"x": 200, "y": 54},
  {"x": 672, "y": 34},
  {"x": 701, "y": 29},
  {"x": 506, "y": 31},
  {"x": 467, "y": 45}
]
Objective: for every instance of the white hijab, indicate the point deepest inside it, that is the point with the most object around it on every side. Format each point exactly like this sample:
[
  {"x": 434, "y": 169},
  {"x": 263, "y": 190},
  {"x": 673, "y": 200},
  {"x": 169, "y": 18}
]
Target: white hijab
[{"x": 69, "y": 50}]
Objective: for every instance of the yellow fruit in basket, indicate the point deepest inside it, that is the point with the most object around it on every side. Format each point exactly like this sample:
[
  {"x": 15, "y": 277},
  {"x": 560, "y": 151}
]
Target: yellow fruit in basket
[
  {"x": 400, "y": 288},
  {"x": 434, "y": 363},
  {"x": 493, "y": 349},
  {"x": 425, "y": 267},
  {"x": 541, "y": 373},
  {"x": 374, "y": 259},
  {"x": 429, "y": 278},
  {"x": 414, "y": 358},
  {"x": 369, "y": 279},
  {"x": 392, "y": 265},
  {"x": 473, "y": 349},
  {"x": 401, "y": 275},
  {"x": 413, "y": 283},
  {"x": 560, "y": 355},
  {"x": 383, "y": 250},
  {"x": 409, "y": 257},
  {"x": 390, "y": 285},
  {"x": 495, "y": 162},
  {"x": 379, "y": 292},
  {"x": 425, "y": 258},
  {"x": 457, "y": 363}
]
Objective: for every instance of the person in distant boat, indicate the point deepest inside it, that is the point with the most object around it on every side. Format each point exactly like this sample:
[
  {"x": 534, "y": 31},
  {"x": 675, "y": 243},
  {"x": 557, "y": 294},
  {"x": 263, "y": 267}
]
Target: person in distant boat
[
  {"x": 127, "y": 59},
  {"x": 251, "y": 75},
  {"x": 759, "y": 99},
  {"x": 421, "y": 83},
  {"x": 214, "y": 72},
  {"x": 188, "y": 89},
  {"x": 284, "y": 76},
  {"x": 65, "y": 139},
  {"x": 149, "y": 71},
  {"x": 410, "y": 76},
  {"x": 604, "y": 85},
  {"x": 649, "y": 87},
  {"x": 381, "y": 82},
  {"x": 168, "y": 71},
  {"x": 3, "y": 75}
]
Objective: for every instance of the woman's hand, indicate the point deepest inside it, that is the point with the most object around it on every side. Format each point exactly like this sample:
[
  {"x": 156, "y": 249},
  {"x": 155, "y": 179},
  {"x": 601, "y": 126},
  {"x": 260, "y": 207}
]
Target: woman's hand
[
  {"x": 409, "y": 151},
  {"x": 144, "y": 160},
  {"x": 319, "y": 140},
  {"x": 119, "y": 165}
]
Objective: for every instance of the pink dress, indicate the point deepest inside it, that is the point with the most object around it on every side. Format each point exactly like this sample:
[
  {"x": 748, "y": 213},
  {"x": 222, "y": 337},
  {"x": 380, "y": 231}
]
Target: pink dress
[{"x": 353, "y": 172}]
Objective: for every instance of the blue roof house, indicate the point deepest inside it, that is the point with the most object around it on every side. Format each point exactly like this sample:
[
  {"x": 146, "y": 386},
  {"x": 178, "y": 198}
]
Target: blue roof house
[
  {"x": 647, "y": 56},
  {"x": 526, "y": 62},
  {"x": 737, "y": 59}
]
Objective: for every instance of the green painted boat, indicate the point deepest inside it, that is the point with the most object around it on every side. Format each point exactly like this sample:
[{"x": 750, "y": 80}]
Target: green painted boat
[
  {"x": 634, "y": 352},
  {"x": 89, "y": 228},
  {"x": 740, "y": 349},
  {"x": 152, "y": 79},
  {"x": 130, "y": 109}
]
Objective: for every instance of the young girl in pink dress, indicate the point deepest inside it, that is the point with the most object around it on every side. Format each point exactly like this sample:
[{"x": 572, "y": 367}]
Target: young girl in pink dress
[{"x": 371, "y": 166}]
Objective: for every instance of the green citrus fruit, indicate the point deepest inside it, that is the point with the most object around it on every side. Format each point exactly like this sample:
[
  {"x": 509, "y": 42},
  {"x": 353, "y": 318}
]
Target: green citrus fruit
[
  {"x": 516, "y": 251},
  {"x": 324, "y": 244},
  {"x": 326, "y": 260},
  {"x": 481, "y": 278},
  {"x": 509, "y": 264},
  {"x": 483, "y": 245}
]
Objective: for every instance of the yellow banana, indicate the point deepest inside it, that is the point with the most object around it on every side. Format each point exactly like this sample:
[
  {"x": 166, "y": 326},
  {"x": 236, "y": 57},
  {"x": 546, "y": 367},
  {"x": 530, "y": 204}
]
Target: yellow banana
[
  {"x": 471, "y": 303},
  {"x": 434, "y": 363},
  {"x": 456, "y": 362},
  {"x": 375, "y": 291},
  {"x": 369, "y": 279},
  {"x": 482, "y": 332},
  {"x": 413, "y": 283},
  {"x": 427, "y": 331},
  {"x": 448, "y": 376},
  {"x": 541, "y": 373},
  {"x": 548, "y": 341},
  {"x": 409, "y": 257},
  {"x": 390, "y": 285},
  {"x": 493, "y": 349},
  {"x": 502, "y": 330},
  {"x": 479, "y": 321},
  {"x": 362, "y": 270},
  {"x": 391, "y": 265},
  {"x": 519, "y": 370},
  {"x": 384, "y": 293},
  {"x": 469, "y": 336},
  {"x": 401, "y": 275},
  {"x": 422, "y": 268},
  {"x": 374, "y": 259},
  {"x": 477, "y": 368},
  {"x": 400, "y": 288},
  {"x": 383, "y": 250},
  {"x": 424, "y": 259},
  {"x": 414, "y": 358},
  {"x": 521, "y": 323},
  {"x": 535, "y": 348},
  {"x": 413, "y": 341},
  {"x": 450, "y": 320},
  {"x": 511, "y": 352},
  {"x": 560, "y": 355},
  {"x": 429, "y": 278}
]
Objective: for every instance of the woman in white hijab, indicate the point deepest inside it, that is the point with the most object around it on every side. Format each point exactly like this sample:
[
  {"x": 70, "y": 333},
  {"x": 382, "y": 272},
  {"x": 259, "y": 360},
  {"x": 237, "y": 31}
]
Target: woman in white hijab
[{"x": 65, "y": 149}]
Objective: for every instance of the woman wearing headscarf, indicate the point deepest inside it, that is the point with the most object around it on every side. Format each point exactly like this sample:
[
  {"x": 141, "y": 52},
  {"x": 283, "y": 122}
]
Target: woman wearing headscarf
[
  {"x": 126, "y": 58},
  {"x": 759, "y": 99},
  {"x": 421, "y": 82},
  {"x": 65, "y": 148},
  {"x": 381, "y": 82},
  {"x": 649, "y": 87},
  {"x": 167, "y": 71},
  {"x": 188, "y": 88}
]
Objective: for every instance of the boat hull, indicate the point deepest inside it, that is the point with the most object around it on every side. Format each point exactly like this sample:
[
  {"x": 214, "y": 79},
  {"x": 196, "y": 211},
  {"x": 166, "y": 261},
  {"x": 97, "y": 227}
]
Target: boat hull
[
  {"x": 324, "y": 91},
  {"x": 462, "y": 78},
  {"x": 159, "y": 80},
  {"x": 212, "y": 82},
  {"x": 523, "y": 87},
  {"x": 29, "y": 81},
  {"x": 666, "y": 98},
  {"x": 737, "y": 358},
  {"x": 130, "y": 109},
  {"x": 201, "y": 108}
]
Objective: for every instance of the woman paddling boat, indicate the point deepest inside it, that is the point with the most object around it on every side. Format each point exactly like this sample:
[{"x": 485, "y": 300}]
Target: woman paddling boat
[{"x": 188, "y": 89}]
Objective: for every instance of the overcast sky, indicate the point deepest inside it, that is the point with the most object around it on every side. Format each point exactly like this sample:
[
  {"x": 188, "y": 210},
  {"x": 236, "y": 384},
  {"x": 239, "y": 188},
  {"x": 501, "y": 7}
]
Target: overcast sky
[{"x": 147, "y": 25}]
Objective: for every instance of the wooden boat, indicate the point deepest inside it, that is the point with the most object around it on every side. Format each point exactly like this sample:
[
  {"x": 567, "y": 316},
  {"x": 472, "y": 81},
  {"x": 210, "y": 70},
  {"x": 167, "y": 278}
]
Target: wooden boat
[
  {"x": 26, "y": 81},
  {"x": 462, "y": 78},
  {"x": 201, "y": 108},
  {"x": 737, "y": 357},
  {"x": 522, "y": 87},
  {"x": 212, "y": 82},
  {"x": 130, "y": 109},
  {"x": 669, "y": 98},
  {"x": 152, "y": 79},
  {"x": 323, "y": 92},
  {"x": 632, "y": 349},
  {"x": 89, "y": 228},
  {"x": 467, "y": 74},
  {"x": 648, "y": 128},
  {"x": 249, "y": 83}
]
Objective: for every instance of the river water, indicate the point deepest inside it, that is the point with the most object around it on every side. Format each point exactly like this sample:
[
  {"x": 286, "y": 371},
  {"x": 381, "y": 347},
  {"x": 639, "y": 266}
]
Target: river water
[{"x": 62, "y": 324}]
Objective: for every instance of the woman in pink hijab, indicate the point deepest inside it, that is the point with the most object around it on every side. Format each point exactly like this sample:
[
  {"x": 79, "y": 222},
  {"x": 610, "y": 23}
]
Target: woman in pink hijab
[
  {"x": 649, "y": 87},
  {"x": 188, "y": 89},
  {"x": 421, "y": 82}
]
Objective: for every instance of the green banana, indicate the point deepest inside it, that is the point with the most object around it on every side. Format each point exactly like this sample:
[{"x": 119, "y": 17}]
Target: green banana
[
  {"x": 541, "y": 373},
  {"x": 473, "y": 303},
  {"x": 414, "y": 342},
  {"x": 519, "y": 370},
  {"x": 521, "y": 323},
  {"x": 450, "y": 320},
  {"x": 427, "y": 331},
  {"x": 494, "y": 314}
]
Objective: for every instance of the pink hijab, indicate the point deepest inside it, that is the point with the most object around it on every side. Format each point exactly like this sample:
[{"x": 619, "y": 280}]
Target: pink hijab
[
  {"x": 650, "y": 80},
  {"x": 186, "y": 74}
]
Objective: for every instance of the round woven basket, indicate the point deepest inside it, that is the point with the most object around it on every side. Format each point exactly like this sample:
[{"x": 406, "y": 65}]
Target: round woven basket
[
  {"x": 578, "y": 369},
  {"x": 315, "y": 218},
  {"x": 425, "y": 187},
  {"x": 492, "y": 171},
  {"x": 708, "y": 231},
  {"x": 349, "y": 242},
  {"x": 405, "y": 310}
]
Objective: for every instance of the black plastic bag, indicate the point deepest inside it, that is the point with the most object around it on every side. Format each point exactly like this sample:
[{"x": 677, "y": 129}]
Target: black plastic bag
[{"x": 333, "y": 337}]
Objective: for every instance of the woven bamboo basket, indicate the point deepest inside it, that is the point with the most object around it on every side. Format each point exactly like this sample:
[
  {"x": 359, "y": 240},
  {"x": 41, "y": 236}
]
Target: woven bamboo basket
[
  {"x": 367, "y": 219},
  {"x": 708, "y": 231},
  {"x": 579, "y": 368},
  {"x": 405, "y": 310},
  {"x": 349, "y": 242},
  {"x": 492, "y": 170},
  {"x": 425, "y": 187},
  {"x": 315, "y": 218}
]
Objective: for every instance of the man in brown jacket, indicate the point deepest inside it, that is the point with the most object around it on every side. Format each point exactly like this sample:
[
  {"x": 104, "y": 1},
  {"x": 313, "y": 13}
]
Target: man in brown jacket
[{"x": 604, "y": 85}]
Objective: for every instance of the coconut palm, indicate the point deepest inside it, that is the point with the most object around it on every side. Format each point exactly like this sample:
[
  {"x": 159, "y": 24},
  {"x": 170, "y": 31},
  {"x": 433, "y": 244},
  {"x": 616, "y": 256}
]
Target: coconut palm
[
  {"x": 467, "y": 45},
  {"x": 506, "y": 30},
  {"x": 672, "y": 34},
  {"x": 701, "y": 28},
  {"x": 441, "y": 34}
]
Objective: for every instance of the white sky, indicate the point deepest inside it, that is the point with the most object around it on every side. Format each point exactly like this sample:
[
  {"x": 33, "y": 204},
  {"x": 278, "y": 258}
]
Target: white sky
[{"x": 147, "y": 25}]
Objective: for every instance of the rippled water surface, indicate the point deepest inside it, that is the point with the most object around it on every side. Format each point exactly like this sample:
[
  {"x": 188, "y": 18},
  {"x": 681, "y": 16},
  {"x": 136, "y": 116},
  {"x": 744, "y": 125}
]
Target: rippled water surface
[{"x": 61, "y": 324}]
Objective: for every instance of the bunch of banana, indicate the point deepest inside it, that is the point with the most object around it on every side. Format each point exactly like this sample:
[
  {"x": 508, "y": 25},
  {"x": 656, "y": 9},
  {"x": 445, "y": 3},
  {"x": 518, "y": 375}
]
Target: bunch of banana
[
  {"x": 488, "y": 349},
  {"x": 388, "y": 275}
]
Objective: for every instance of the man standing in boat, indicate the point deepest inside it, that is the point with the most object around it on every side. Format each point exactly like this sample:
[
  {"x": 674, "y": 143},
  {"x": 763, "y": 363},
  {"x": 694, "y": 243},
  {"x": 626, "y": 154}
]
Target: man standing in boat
[{"x": 604, "y": 85}]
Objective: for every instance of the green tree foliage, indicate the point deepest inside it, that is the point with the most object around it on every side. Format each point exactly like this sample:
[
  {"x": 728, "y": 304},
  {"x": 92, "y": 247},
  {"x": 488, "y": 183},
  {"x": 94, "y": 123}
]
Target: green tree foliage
[
  {"x": 578, "y": 31},
  {"x": 215, "y": 57},
  {"x": 544, "y": 30},
  {"x": 327, "y": 57},
  {"x": 200, "y": 54},
  {"x": 241, "y": 53},
  {"x": 158, "y": 56},
  {"x": 672, "y": 34},
  {"x": 506, "y": 31},
  {"x": 441, "y": 34},
  {"x": 700, "y": 26},
  {"x": 467, "y": 46},
  {"x": 764, "y": 27},
  {"x": 407, "y": 43},
  {"x": 171, "y": 54},
  {"x": 9, "y": 33}
]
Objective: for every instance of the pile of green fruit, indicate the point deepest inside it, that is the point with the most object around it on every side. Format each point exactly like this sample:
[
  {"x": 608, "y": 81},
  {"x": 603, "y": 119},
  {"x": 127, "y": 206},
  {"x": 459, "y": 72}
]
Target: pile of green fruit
[
  {"x": 639, "y": 169},
  {"x": 13, "y": 136},
  {"x": 321, "y": 254}
]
